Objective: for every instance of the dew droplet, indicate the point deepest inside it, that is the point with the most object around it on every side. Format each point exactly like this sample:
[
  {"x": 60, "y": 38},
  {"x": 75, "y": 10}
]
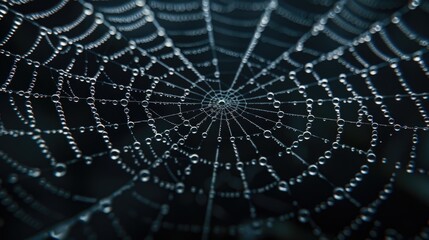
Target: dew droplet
[
  {"x": 99, "y": 18},
  {"x": 283, "y": 186},
  {"x": 267, "y": 134},
  {"x": 55, "y": 98},
  {"x": 262, "y": 161},
  {"x": 63, "y": 41},
  {"x": 88, "y": 9},
  {"x": 137, "y": 145},
  {"x": 35, "y": 172},
  {"x": 340, "y": 122},
  {"x": 180, "y": 187},
  {"x": 144, "y": 175},
  {"x": 276, "y": 103},
  {"x": 308, "y": 67},
  {"x": 378, "y": 100},
  {"x": 194, "y": 158},
  {"x": 303, "y": 215},
  {"x": 114, "y": 153},
  {"x": 339, "y": 193},
  {"x": 306, "y": 135},
  {"x": 60, "y": 170},
  {"x": 106, "y": 206},
  {"x": 313, "y": 170},
  {"x": 140, "y": 3},
  {"x": 124, "y": 102},
  {"x": 371, "y": 157},
  {"x": 145, "y": 103}
]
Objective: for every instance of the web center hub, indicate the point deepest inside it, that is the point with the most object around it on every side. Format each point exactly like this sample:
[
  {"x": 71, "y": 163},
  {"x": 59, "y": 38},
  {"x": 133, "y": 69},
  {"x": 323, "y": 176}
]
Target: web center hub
[{"x": 223, "y": 104}]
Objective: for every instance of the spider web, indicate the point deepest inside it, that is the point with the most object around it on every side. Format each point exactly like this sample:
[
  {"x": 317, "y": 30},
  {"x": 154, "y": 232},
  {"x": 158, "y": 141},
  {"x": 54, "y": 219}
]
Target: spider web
[{"x": 214, "y": 119}]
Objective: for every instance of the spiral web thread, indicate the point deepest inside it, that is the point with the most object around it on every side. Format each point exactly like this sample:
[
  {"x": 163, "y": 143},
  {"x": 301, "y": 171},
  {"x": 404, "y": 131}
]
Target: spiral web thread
[{"x": 218, "y": 102}]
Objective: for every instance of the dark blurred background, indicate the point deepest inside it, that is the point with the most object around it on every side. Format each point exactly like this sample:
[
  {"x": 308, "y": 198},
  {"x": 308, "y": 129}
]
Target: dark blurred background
[{"x": 87, "y": 195}]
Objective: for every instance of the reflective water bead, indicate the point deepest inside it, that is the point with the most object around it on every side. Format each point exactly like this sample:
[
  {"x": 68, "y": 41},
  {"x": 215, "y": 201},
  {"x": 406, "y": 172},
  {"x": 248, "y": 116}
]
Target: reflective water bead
[
  {"x": 60, "y": 170},
  {"x": 303, "y": 215},
  {"x": 283, "y": 186},
  {"x": 180, "y": 187},
  {"x": 144, "y": 175},
  {"x": 308, "y": 67},
  {"x": 339, "y": 193},
  {"x": 114, "y": 154},
  {"x": 267, "y": 134},
  {"x": 262, "y": 161},
  {"x": 313, "y": 170},
  {"x": 194, "y": 158}
]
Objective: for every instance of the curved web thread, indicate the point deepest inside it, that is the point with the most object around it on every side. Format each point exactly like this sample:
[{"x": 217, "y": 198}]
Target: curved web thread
[{"x": 161, "y": 105}]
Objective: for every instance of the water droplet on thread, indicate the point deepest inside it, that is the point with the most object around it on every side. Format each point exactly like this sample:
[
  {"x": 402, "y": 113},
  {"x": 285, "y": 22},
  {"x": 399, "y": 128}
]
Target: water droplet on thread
[
  {"x": 60, "y": 170},
  {"x": 194, "y": 158},
  {"x": 267, "y": 134},
  {"x": 144, "y": 175},
  {"x": 283, "y": 186},
  {"x": 114, "y": 154}
]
